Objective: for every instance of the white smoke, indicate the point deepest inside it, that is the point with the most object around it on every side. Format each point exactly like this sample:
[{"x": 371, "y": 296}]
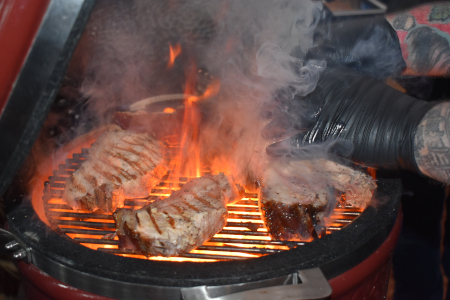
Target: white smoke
[{"x": 254, "y": 48}]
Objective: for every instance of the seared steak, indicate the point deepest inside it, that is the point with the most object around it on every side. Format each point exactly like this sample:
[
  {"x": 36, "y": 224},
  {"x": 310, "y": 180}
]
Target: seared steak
[
  {"x": 120, "y": 164},
  {"x": 181, "y": 222},
  {"x": 294, "y": 196}
]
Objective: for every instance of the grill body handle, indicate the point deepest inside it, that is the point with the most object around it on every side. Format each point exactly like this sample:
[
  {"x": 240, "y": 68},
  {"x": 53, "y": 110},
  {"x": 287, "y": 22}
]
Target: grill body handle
[{"x": 313, "y": 286}]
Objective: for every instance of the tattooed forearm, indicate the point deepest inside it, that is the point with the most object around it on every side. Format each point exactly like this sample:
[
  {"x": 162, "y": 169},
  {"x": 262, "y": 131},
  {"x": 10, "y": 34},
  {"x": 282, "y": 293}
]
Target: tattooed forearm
[
  {"x": 432, "y": 143},
  {"x": 424, "y": 35}
]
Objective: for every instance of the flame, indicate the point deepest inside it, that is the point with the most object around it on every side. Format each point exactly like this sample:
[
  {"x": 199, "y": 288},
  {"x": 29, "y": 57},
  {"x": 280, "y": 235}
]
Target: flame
[
  {"x": 174, "y": 52},
  {"x": 169, "y": 110},
  {"x": 372, "y": 172},
  {"x": 188, "y": 162}
]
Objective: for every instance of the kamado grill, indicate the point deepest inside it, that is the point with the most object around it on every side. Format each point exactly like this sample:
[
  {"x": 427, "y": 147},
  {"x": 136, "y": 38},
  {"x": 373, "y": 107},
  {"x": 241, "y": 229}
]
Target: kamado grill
[{"x": 68, "y": 254}]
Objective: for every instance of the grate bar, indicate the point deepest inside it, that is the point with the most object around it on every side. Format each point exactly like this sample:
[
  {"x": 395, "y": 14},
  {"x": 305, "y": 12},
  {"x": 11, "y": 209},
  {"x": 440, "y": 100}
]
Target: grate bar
[
  {"x": 237, "y": 232},
  {"x": 257, "y": 242},
  {"x": 210, "y": 256},
  {"x": 232, "y": 209},
  {"x": 80, "y": 215},
  {"x": 251, "y": 226},
  {"x": 248, "y": 202},
  {"x": 96, "y": 241},
  {"x": 86, "y": 231},
  {"x": 238, "y": 249},
  {"x": 87, "y": 224},
  {"x": 243, "y": 217},
  {"x": 334, "y": 228}
]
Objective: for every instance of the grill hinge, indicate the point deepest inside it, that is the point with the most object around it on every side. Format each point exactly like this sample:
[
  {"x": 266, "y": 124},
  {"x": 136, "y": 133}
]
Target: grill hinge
[{"x": 10, "y": 242}]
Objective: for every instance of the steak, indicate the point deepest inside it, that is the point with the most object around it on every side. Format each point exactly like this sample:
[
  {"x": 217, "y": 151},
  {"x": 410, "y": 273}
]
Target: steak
[
  {"x": 296, "y": 196},
  {"x": 119, "y": 164},
  {"x": 181, "y": 222}
]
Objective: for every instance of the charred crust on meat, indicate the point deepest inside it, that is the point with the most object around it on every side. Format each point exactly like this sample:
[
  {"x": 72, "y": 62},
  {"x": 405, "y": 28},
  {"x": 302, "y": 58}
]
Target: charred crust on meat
[
  {"x": 133, "y": 235},
  {"x": 181, "y": 212},
  {"x": 88, "y": 202},
  {"x": 101, "y": 198},
  {"x": 290, "y": 222},
  {"x": 103, "y": 194},
  {"x": 131, "y": 150},
  {"x": 152, "y": 218},
  {"x": 92, "y": 179},
  {"x": 170, "y": 219},
  {"x": 203, "y": 201},
  {"x": 118, "y": 169},
  {"x": 190, "y": 206},
  {"x": 131, "y": 163}
]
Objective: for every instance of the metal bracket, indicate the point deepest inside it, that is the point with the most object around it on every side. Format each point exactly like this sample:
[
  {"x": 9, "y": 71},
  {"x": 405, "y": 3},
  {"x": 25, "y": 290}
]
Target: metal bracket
[
  {"x": 313, "y": 286},
  {"x": 9, "y": 242}
]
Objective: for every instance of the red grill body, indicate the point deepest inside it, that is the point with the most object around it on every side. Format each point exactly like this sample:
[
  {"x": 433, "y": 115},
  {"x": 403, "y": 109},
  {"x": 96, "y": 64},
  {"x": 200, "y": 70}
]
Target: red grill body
[
  {"x": 20, "y": 22},
  {"x": 368, "y": 280}
]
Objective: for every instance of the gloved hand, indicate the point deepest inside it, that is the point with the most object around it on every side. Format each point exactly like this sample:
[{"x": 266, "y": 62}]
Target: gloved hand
[
  {"x": 366, "y": 44},
  {"x": 378, "y": 120}
]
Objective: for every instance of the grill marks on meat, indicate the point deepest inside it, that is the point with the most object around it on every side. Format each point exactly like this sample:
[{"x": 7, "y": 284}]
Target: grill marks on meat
[
  {"x": 295, "y": 196},
  {"x": 181, "y": 222},
  {"x": 120, "y": 164}
]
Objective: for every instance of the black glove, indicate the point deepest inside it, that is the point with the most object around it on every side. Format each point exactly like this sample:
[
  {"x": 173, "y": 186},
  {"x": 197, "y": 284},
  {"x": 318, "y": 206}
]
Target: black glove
[
  {"x": 365, "y": 44},
  {"x": 378, "y": 120}
]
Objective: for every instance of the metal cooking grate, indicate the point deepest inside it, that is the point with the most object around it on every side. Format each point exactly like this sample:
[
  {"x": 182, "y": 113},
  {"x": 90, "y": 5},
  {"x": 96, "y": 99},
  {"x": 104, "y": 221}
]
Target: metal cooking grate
[{"x": 243, "y": 236}]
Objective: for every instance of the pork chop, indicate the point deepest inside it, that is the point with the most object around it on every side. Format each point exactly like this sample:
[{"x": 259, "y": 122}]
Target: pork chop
[
  {"x": 119, "y": 164},
  {"x": 181, "y": 222}
]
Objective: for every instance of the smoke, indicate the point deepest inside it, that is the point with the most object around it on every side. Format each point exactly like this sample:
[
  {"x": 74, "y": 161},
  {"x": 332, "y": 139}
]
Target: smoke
[
  {"x": 124, "y": 51},
  {"x": 367, "y": 53},
  {"x": 284, "y": 70},
  {"x": 254, "y": 48}
]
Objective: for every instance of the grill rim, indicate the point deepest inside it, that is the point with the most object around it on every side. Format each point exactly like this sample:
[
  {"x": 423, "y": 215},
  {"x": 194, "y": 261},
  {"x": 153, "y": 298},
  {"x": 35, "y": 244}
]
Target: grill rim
[{"x": 341, "y": 251}]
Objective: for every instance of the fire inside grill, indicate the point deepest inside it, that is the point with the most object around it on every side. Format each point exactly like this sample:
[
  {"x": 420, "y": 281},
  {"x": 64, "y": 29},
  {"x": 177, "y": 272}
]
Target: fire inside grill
[{"x": 243, "y": 236}]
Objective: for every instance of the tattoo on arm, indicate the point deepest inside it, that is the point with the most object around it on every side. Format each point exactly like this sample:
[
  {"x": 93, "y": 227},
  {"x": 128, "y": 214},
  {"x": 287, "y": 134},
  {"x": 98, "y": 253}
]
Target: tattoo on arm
[
  {"x": 432, "y": 143},
  {"x": 424, "y": 34}
]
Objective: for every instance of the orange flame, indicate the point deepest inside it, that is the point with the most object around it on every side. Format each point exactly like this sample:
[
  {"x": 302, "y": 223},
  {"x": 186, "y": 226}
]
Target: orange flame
[
  {"x": 372, "y": 172},
  {"x": 173, "y": 54},
  {"x": 169, "y": 110},
  {"x": 188, "y": 161}
]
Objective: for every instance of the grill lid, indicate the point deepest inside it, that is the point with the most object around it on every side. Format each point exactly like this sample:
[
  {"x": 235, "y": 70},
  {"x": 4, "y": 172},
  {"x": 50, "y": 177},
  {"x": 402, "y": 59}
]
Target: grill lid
[{"x": 24, "y": 107}]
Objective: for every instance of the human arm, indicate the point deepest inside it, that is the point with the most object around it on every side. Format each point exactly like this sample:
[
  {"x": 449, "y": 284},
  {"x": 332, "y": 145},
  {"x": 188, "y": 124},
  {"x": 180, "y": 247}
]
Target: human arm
[
  {"x": 432, "y": 143},
  {"x": 379, "y": 46},
  {"x": 425, "y": 134},
  {"x": 385, "y": 128},
  {"x": 424, "y": 36}
]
